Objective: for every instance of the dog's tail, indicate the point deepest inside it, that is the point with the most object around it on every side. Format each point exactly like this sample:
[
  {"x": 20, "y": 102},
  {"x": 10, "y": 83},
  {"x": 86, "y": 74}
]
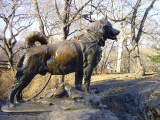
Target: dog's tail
[{"x": 32, "y": 37}]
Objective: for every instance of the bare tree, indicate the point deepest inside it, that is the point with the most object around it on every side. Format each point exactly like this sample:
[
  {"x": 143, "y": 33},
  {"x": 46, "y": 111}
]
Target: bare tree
[
  {"x": 45, "y": 15},
  {"x": 37, "y": 14},
  {"x": 136, "y": 38},
  {"x": 12, "y": 26},
  {"x": 66, "y": 18},
  {"x": 105, "y": 58},
  {"x": 118, "y": 14}
]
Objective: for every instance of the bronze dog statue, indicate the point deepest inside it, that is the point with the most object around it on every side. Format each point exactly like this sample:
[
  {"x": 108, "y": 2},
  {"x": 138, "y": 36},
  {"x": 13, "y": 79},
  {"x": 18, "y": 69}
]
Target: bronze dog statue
[{"x": 80, "y": 55}]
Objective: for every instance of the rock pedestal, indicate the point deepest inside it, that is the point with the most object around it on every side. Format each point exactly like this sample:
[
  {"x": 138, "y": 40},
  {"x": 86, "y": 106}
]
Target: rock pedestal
[{"x": 64, "y": 97}]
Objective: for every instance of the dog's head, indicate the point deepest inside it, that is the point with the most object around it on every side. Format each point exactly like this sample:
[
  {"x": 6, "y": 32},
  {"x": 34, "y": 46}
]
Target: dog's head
[
  {"x": 105, "y": 28},
  {"x": 109, "y": 31}
]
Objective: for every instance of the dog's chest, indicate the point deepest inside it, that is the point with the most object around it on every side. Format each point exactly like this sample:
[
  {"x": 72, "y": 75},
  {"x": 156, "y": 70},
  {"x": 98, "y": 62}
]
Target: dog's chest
[{"x": 92, "y": 56}]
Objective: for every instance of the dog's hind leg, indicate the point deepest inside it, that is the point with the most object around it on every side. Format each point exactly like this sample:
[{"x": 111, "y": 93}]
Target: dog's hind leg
[
  {"x": 19, "y": 95},
  {"x": 22, "y": 80}
]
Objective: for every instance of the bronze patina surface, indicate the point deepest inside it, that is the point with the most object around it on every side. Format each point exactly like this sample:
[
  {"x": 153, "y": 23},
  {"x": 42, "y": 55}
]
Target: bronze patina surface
[{"x": 80, "y": 55}]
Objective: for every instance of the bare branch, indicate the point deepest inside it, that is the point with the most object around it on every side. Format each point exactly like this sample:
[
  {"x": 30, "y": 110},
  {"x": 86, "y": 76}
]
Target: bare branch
[
  {"x": 17, "y": 50},
  {"x": 4, "y": 18},
  {"x": 41, "y": 26},
  {"x": 57, "y": 11},
  {"x": 11, "y": 26},
  {"x": 133, "y": 19},
  {"x": 2, "y": 38},
  {"x": 3, "y": 49},
  {"x": 144, "y": 19},
  {"x": 85, "y": 16},
  {"x": 75, "y": 31},
  {"x": 75, "y": 14}
]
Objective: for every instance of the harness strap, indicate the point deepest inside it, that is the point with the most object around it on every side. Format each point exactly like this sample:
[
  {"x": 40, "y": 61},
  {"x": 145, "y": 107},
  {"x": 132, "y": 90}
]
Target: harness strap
[
  {"x": 93, "y": 32},
  {"x": 41, "y": 89}
]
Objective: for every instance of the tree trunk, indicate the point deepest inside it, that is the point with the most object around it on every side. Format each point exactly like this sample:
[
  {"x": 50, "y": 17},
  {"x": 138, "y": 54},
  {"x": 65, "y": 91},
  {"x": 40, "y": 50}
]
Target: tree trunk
[
  {"x": 119, "y": 60},
  {"x": 9, "y": 53},
  {"x": 66, "y": 19},
  {"x": 120, "y": 48},
  {"x": 41, "y": 26},
  {"x": 140, "y": 71},
  {"x": 11, "y": 65},
  {"x": 129, "y": 61},
  {"x": 135, "y": 39},
  {"x": 65, "y": 27},
  {"x": 104, "y": 57}
]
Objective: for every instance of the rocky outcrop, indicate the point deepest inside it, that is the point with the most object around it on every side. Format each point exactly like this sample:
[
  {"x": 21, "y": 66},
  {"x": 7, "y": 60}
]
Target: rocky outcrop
[
  {"x": 82, "y": 114},
  {"x": 139, "y": 98},
  {"x": 63, "y": 103}
]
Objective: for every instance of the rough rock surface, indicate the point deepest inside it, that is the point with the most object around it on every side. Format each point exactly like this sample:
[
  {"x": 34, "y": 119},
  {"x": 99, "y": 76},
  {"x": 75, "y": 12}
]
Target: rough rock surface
[
  {"x": 137, "y": 99},
  {"x": 68, "y": 104},
  {"x": 82, "y": 114}
]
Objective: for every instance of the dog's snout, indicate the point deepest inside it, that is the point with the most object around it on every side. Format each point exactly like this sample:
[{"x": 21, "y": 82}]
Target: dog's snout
[{"x": 117, "y": 32}]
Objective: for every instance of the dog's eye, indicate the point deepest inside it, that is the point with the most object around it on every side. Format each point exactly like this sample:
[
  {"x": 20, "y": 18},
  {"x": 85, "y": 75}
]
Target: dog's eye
[{"x": 108, "y": 28}]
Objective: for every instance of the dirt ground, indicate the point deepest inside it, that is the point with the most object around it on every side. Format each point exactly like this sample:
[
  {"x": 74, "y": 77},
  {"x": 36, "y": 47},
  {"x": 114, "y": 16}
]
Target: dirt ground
[{"x": 7, "y": 79}]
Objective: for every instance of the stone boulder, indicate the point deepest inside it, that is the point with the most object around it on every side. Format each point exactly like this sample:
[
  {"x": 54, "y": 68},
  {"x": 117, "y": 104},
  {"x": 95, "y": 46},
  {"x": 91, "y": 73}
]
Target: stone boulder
[{"x": 137, "y": 99}]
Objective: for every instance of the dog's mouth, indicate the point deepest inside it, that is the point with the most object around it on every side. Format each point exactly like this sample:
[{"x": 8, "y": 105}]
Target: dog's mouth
[{"x": 112, "y": 34}]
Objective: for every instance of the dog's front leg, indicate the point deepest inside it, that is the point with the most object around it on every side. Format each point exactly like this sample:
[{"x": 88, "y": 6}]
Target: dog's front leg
[
  {"x": 78, "y": 79},
  {"x": 87, "y": 76}
]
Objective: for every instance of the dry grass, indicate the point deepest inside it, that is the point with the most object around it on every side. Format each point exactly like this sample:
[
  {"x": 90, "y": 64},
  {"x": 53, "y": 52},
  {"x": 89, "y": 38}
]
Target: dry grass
[
  {"x": 7, "y": 79},
  {"x": 39, "y": 82},
  {"x": 125, "y": 76}
]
